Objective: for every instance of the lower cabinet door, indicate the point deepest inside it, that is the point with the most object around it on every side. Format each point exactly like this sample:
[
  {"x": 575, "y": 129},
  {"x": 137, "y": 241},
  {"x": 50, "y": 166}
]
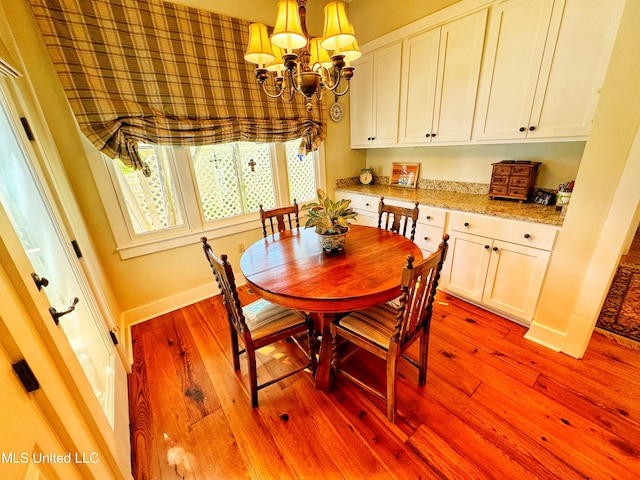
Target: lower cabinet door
[
  {"x": 514, "y": 278},
  {"x": 368, "y": 219},
  {"x": 465, "y": 269}
]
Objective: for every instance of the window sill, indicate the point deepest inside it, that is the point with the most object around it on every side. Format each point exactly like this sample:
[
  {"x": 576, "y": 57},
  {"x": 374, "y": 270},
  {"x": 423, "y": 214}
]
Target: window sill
[{"x": 217, "y": 229}]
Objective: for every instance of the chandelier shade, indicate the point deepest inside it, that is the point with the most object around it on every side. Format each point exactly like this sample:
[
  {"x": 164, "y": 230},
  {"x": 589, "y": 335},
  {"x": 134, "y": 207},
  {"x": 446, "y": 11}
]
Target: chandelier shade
[
  {"x": 259, "y": 50},
  {"x": 288, "y": 33},
  {"x": 319, "y": 56},
  {"x": 278, "y": 64},
  {"x": 337, "y": 30},
  {"x": 301, "y": 64}
]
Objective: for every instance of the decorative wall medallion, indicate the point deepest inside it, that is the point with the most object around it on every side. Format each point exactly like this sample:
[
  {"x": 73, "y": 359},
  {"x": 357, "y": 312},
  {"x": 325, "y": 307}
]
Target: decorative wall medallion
[{"x": 336, "y": 112}]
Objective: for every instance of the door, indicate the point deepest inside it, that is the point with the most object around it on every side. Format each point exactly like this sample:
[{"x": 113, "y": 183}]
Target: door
[
  {"x": 51, "y": 260},
  {"x": 65, "y": 314},
  {"x": 465, "y": 269},
  {"x": 420, "y": 69},
  {"x": 461, "y": 44},
  {"x": 514, "y": 278},
  {"x": 386, "y": 90},
  {"x": 23, "y": 444},
  {"x": 515, "y": 45},
  {"x": 361, "y": 97}
]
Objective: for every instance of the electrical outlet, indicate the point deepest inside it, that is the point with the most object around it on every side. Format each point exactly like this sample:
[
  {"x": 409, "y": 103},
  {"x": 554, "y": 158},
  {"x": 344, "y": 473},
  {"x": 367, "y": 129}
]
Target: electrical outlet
[{"x": 241, "y": 247}]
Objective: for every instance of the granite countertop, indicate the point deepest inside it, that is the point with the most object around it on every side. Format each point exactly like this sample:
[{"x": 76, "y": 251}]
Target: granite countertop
[{"x": 465, "y": 202}]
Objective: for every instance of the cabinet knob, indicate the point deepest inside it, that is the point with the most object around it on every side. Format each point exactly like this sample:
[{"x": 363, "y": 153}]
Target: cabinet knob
[
  {"x": 486, "y": 247},
  {"x": 526, "y": 235},
  {"x": 495, "y": 249},
  {"x": 466, "y": 224},
  {"x": 426, "y": 239},
  {"x": 428, "y": 135},
  {"x": 433, "y": 134},
  {"x": 428, "y": 217},
  {"x": 532, "y": 128},
  {"x": 522, "y": 129},
  {"x": 367, "y": 204}
]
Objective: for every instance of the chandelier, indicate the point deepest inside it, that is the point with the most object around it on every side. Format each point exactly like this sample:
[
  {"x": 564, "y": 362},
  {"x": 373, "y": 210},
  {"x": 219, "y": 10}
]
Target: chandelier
[{"x": 301, "y": 64}]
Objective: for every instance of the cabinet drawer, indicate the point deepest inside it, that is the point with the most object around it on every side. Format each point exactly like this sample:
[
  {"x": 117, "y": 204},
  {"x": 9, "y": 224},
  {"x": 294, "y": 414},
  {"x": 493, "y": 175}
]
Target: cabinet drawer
[
  {"x": 502, "y": 170},
  {"x": 432, "y": 216},
  {"x": 428, "y": 237},
  {"x": 525, "y": 171},
  {"x": 499, "y": 180},
  {"x": 514, "y": 231},
  {"x": 516, "y": 181},
  {"x": 518, "y": 191},
  {"x": 360, "y": 202},
  {"x": 499, "y": 190}
]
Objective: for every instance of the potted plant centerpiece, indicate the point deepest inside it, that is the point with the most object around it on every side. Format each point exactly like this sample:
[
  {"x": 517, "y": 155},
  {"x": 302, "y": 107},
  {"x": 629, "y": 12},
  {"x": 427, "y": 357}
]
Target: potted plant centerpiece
[{"x": 331, "y": 221}]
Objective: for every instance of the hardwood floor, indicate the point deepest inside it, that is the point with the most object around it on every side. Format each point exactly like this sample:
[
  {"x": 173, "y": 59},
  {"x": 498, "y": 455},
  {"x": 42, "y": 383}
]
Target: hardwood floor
[{"x": 495, "y": 406}]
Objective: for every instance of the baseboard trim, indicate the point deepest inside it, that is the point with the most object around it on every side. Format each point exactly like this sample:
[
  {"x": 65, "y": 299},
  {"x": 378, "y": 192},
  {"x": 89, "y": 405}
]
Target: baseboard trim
[
  {"x": 547, "y": 337},
  {"x": 165, "y": 305}
]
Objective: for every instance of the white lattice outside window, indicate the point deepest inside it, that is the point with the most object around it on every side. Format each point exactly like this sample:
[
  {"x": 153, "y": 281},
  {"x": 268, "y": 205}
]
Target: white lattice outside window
[
  {"x": 150, "y": 194},
  {"x": 300, "y": 173},
  {"x": 189, "y": 191}
]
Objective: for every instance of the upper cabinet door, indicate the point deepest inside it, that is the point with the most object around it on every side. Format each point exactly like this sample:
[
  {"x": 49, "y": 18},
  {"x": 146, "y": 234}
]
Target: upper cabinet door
[
  {"x": 515, "y": 47},
  {"x": 571, "y": 78},
  {"x": 461, "y": 45},
  {"x": 375, "y": 97},
  {"x": 419, "y": 76},
  {"x": 440, "y": 70},
  {"x": 387, "y": 94},
  {"x": 361, "y": 102}
]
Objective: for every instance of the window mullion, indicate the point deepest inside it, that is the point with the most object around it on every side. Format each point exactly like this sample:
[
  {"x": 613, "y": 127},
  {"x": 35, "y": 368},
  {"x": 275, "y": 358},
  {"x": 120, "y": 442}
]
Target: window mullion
[
  {"x": 279, "y": 163},
  {"x": 186, "y": 180}
]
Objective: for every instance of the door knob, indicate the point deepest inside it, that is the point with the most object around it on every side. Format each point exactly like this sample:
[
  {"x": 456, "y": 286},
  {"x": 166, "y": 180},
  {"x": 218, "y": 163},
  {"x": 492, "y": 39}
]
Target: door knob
[
  {"x": 56, "y": 315},
  {"x": 39, "y": 281}
]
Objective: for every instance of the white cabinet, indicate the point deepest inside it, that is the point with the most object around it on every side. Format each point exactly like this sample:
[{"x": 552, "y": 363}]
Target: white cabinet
[
  {"x": 375, "y": 98},
  {"x": 440, "y": 71},
  {"x": 544, "y": 64},
  {"x": 497, "y": 263},
  {"x": 365, "y": 205}
]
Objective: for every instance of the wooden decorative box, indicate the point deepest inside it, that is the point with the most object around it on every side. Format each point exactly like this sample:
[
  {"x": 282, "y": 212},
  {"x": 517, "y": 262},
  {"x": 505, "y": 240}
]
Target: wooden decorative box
[{"x": 513, "y": 179}]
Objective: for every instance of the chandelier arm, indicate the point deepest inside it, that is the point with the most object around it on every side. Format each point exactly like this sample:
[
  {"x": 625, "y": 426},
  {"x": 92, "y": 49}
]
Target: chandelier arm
[
  {"x": 340, "y": 94},
  {"x": 271, "y": 95}
]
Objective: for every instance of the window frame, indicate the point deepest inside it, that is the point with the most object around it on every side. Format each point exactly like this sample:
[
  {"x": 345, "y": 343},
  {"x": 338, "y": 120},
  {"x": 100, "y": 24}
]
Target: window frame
[{"x": 130, "y": 245}]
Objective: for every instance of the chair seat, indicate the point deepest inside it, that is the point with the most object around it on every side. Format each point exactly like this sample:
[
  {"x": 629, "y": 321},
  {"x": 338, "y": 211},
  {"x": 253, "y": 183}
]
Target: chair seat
[
  {"x": 375, "y": 324},
  {"x": 265, "y": 318}
]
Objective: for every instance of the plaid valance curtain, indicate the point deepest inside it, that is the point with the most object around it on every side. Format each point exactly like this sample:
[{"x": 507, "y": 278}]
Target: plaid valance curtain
[{"x": 156, "y": 72}]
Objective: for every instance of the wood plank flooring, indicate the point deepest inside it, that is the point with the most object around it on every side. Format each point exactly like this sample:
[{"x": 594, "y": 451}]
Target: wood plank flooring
[{"x": 495, "y": 406}]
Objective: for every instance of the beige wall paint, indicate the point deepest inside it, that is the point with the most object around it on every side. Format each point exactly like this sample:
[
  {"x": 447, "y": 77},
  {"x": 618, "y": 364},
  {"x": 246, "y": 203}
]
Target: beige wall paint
[{"x": 472, "y": 163}]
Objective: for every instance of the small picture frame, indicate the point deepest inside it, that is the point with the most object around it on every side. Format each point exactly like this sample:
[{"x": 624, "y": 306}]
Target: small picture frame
[{"x": 405, "y": 175}]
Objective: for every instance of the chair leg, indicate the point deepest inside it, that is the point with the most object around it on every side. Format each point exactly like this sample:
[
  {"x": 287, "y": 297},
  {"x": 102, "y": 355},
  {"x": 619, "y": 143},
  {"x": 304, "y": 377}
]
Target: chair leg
[
  {"x": 313, "y": 346},
  {"x": 424, "y": 353},
  {"x": 392, "y": 377},
  {"x": 253, "y": 375},
  {"x": 235, "y": 349}
]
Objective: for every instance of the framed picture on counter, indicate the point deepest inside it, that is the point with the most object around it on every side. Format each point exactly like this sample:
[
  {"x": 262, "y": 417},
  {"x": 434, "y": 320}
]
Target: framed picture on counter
[{"x": 405, "y": 174}]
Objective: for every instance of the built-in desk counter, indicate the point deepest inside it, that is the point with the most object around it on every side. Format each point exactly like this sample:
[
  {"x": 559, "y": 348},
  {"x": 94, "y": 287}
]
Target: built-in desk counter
[{"x": 465, "y": 202}]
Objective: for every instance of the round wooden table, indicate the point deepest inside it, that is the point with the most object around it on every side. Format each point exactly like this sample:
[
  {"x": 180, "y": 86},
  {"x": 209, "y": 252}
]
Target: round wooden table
[{"x": 290, "y": 269}]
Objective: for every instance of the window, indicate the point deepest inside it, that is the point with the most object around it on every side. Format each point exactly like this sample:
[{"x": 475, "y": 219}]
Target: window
[{"x": 214, "y": 190}]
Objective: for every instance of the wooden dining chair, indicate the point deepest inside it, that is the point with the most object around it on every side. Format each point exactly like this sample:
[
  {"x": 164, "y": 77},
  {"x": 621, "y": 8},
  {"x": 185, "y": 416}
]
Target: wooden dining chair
[
  {"x": 388, "y": 332},
  {"x": 396, "y": 219},
  {"x": 259, "y": 324},
  {"x": 281, "y": 214}
]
